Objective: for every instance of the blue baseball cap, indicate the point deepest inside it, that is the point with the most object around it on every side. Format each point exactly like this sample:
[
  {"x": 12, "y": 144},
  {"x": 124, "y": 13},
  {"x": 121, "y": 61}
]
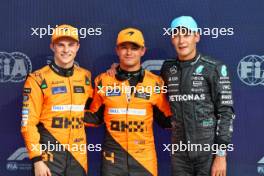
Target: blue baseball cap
[{"x": 185, "y": 21}]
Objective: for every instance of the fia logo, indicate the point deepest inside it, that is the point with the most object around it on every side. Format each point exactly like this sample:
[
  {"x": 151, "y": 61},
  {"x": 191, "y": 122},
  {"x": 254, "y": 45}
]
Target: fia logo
[
  {"x": 16, "y": 160},
  {"x": 152, "y": 65},
  {"x": 261, "y": 166},
  {"x": 14, "y": 67},
  {"x": 250, "y": 70}
]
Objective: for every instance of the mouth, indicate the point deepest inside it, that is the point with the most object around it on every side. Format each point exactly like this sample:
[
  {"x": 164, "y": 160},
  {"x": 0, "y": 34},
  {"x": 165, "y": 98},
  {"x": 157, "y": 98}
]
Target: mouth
[
  {"x": 182, "y": 47},
  {"x": 65, "y": 55},
  {"x": 129, "y": 58}
]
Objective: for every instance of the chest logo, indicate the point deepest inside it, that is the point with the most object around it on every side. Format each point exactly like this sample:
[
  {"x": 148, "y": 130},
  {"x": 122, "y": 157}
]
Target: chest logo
[
  {"x": 173, "y": 69},
  {"x": 59, "y": 90},
  {"x": 199, "y": 69},
  {"x": 78, "y": 89}
]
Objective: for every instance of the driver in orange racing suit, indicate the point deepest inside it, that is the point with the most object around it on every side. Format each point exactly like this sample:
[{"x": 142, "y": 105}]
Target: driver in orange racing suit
[
  {"x": 53, "y": 105},
  {"x": 129, "y": 101}
]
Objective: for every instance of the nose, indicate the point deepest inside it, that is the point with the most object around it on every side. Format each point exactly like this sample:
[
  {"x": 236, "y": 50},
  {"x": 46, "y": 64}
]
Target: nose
[
  {"x": 129, "y": 51},
  {"x": 181, "y": 38},
  {"x": 65, "y": 49}
]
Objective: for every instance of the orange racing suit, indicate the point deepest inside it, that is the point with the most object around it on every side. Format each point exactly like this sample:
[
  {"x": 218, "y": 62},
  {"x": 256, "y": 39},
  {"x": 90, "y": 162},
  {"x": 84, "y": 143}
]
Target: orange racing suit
[
  {"x": 129, "y": 147},
  {"x": 53, "y": 104}
]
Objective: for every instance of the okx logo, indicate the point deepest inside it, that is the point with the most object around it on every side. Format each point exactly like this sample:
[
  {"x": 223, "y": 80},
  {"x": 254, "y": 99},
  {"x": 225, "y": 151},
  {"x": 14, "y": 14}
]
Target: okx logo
[
  {"x": 251, "y": 70},
  {"x": 14, "y": 67}
]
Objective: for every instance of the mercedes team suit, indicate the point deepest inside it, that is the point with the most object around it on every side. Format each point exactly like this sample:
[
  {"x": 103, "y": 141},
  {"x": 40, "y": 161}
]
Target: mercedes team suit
[
  {"x": 129, "y": 148},
  {"x": 53, "y": 113},
  {"x": 200, "y": 98}
]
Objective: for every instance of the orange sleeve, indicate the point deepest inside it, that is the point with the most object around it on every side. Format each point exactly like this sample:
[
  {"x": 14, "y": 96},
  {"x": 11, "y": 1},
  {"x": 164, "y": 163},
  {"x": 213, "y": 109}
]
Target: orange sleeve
[
  {"x": 161, "y": 101},
  {"x": 32, "y": 106},
  {"x": 89, "y": 83},
  {"x": 97, "y": 95}
]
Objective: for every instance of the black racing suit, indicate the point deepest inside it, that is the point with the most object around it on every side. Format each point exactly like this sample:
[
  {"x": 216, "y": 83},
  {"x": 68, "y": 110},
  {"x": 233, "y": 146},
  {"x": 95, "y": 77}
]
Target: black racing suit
[{"x": 200, "y": 97}]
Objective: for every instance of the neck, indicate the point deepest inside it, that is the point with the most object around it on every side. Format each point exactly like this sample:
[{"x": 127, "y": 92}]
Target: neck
[
  {"x": 129, "y": 68},
  {"x": 62, "y": 65}
]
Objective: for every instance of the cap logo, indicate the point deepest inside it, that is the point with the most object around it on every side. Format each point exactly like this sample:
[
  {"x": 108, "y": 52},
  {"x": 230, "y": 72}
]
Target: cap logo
[{"x": 131, "y": 33}]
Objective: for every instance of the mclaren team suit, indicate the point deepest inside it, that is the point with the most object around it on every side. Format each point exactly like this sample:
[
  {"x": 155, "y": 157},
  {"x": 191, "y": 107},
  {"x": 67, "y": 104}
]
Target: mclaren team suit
[
  {"x": 52, "y": 113},
  {"x": 129, "y": 148}
]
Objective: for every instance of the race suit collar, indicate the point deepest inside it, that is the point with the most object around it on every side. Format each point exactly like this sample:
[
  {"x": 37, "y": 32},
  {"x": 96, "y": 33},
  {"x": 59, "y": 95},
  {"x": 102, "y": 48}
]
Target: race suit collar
[
  {"x": 189, "y": 62},
  {"x": 61, "y": 71},
  {"x": 125, "y": 75}
]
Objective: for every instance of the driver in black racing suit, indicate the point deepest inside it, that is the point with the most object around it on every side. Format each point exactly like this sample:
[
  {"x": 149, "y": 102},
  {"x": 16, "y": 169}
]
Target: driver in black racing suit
[{"x": 200, "y": 96}]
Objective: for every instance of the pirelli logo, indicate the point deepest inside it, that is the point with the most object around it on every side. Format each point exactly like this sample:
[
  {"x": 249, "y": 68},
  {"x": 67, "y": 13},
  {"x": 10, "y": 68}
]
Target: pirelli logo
[{"x": 130, "y": 126}]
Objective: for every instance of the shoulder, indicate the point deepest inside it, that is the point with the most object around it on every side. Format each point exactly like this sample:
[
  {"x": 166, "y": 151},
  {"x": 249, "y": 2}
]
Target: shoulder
[
  {"x": 169, "y": 61},
  {"x": 103, "y": 77},
  {"x": 210, "y": 61},
  {"x": 82, "y": 70},
  {"x": 153, "y": 77},
  {"x": 216, "y": 66},
  {"x": 40, "y": 74}
]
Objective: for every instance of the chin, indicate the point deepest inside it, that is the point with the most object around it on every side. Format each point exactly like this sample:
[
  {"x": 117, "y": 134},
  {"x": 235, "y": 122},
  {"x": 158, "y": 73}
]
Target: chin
[{"x": 130, "y": 64}]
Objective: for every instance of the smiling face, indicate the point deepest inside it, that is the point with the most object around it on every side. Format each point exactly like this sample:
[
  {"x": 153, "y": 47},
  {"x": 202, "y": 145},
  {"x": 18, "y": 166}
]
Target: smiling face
[
  {"x": 184, "y": 43},
  {"x": 129, "y": 55},
  {"x": 65, "y": 50}
]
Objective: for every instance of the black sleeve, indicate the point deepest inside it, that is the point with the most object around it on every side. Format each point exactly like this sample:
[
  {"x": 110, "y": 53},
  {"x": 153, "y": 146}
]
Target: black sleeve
[
  {"x": 223, "y": 102},
  {"x": 160, "y": 118},
  {"x": 93, "y": 118}
]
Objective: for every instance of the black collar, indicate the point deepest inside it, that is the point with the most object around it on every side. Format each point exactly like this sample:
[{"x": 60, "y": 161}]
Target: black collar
[
  {"x": 61, "y": 71},
  {"x": 122, "y": 75},
  {"x": 189, "y": 62}
]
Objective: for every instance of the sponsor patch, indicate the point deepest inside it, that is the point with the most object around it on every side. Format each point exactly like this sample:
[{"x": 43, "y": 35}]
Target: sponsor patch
[
  {"x": 143, "y": 95},
  {"x": 61, "y": 108},
  {"x": 25, "y": 98},
  {"x": 173, "y": 78},
  {"x": 187, "y": 97},
  {"x": 24, "y": 123},
  {"x": 24, "y": 117},
  {"x": 208, "y": 122},
  {"x": 173, "y": 69},
  {"x": 27, "y": 90},
  {"x": 129, "y": 111},
  {"x": 78, "y": 89},
  {"x": 197, "y": 83},
  {"x": 199, "y": 69},
  {"x": 112, "y": 93},
  {"x": 25, "y": 111},
  {"x": 227, "y": 102},
  {"x": 59, "y": 90},
  {"x": 224, "y": 71},
  {"x": 87, "y": 81},
  {"x": 57, "y": 82},
  {"x": 43, "y": 84},
  {"x": 25, "y": 105}
]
